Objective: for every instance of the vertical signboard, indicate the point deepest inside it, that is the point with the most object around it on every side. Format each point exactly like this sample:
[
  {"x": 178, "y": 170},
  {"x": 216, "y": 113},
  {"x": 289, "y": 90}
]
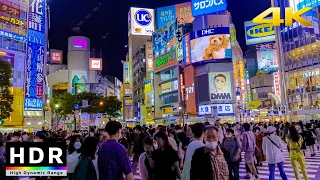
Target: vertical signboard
[
  {"x": 186, "y": 49},
  {"x": 126, "y": 72},
  {"x": 277, "y": 89},
  {"x": 179, "y": 51},
  {"x": 149, "y": 56},
  {"x": 35, "y": 55},
  {"x": 138, "y": 116}
]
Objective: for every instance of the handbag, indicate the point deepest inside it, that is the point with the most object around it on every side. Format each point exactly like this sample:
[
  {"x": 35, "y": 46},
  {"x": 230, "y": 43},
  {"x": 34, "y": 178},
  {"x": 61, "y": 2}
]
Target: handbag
[
  {"x": 257, "y": 152},
  {"x": 274, "y": 143}
]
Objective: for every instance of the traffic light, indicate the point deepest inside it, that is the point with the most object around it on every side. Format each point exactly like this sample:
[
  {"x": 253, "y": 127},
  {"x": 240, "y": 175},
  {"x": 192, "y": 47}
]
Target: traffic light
[{"x": 1, "y": 122}]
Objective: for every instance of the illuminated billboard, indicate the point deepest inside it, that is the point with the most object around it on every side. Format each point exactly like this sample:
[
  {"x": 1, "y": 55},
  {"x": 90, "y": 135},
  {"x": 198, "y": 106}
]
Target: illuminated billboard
[
  {"x": 165, "y": 61},
  {"x": 78, "y": 80},
  {"x": 80, "y": 43},
  {"x": 35, "y": 56},
  {"x": 164, "y": 39},
  {"x": 126, "y": 72},
  {"x": 149, "y": 56},
  {"x": 13, "y": 15},
  {"x": 220, "y": 88},
  {"x": 210, "y": 44},
  {"x": 223, "y": 109},
  {"x": 190, "y": 96},
  {"x": 181, "y": 12},
  {"x": 258, "y": 33},
  {"x": 56, "y": 56},
  {"x": 95, "y": 64},
  {"x": 128, "y": 102},
  {"x": 186, "y": 49},
  {"x": 267, "y": 57},
  {"x": 142, "y": 21},
  {"x": 200, "y": 7}
]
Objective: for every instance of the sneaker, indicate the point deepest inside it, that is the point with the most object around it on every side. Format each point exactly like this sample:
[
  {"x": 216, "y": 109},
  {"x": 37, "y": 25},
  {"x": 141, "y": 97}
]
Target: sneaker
[
  {"x": 248, "y": 176},
  {"x": 254, "y": 178}
]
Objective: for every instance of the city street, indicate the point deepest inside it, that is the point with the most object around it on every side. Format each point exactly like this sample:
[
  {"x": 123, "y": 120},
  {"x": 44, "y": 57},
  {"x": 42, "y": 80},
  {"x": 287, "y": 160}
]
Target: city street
[{"x": 313, "y": 168}]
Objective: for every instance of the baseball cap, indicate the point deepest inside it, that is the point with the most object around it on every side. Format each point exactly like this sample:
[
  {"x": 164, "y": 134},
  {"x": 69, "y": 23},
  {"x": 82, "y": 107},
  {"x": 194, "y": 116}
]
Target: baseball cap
[{"x": 271, "y": 129}]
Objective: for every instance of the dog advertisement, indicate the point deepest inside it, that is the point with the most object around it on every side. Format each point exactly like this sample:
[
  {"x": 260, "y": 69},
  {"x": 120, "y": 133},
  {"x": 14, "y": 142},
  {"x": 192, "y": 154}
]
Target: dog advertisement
[
  {"x": 210, "y": 44},
  {"x": 220, "y": 87}
]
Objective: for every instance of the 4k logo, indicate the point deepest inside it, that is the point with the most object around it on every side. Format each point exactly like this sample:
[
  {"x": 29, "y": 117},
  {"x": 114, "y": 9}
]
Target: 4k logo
[{"x": 289, "y": 16}]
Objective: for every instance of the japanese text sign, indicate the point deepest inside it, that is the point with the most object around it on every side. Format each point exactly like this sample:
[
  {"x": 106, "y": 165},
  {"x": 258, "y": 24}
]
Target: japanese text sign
[
  {"x": 34, "y": 76},
  {"x": 10, "y": 10},
  {"x": 200, "y": 7},
  {"x": 165, "y": 15},
  {"x": 223, "y": 109},
  {"x": 183, "y": 13},
  {"x": 56, "y": 56},
  {"x": 37, "y": 15}
]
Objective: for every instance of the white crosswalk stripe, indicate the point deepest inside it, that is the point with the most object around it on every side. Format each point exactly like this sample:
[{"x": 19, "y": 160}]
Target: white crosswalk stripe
[{"x": 312, "y": 167}]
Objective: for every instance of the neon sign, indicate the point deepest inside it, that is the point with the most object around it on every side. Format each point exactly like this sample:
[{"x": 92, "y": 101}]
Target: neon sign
[{"x": 79, "y": 43}]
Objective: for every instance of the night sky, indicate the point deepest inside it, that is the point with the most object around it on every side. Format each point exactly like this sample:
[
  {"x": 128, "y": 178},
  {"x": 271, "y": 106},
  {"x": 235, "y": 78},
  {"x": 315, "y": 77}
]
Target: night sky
[{"x": 111, "y": 19}]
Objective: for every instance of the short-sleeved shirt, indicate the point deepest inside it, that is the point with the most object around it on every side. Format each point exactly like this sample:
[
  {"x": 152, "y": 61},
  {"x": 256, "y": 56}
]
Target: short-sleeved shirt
[
  {"x": 113, "y": 161},
  {"x": 163, "y": 163}
]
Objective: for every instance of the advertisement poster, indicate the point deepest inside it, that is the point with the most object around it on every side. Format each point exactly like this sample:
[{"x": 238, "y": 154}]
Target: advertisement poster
[
  {"x": 142, "y": 21},
  {"x": 190, "y": 97},
  {"x": 149, "y": 56},
  {"x": 56, "y": 56},
  {"x": 210, "y": 44},
  {"x": 186, "y": 49},
  {"x": 220, "y": 87},
  {"x": 164, "y": 39},
  {"x": 34, "y": 77},
  {"x": 165, "y": 15},
  {"x": 200, "y": 7},
  {"x": 184, "y": 13},
  {"x": 179, "y": 50},
  {"x": 259, "y": 33},
  {"x": 267, "y": 57},
  {"x": 165, "y": 61},
  {"x": 36, "y": 22},
  {"x": 78, "y": 78},
  {"x": 126, "y": 72}
]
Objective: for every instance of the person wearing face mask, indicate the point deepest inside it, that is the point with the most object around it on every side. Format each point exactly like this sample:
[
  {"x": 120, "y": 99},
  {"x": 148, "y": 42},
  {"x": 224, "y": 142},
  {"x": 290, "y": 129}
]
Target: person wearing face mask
[
  {"x": 73, "y": 155},
  {"x": 145, "y": 160},
  {"x": 232, "y": 149},
  {"x": 208, "y": 162}
]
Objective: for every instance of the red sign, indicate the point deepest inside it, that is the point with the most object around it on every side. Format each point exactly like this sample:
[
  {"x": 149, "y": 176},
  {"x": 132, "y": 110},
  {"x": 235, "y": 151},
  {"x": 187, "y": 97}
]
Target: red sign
[
  {"x": 190, "y": 99},
  {"x": 56, "y": 57},
  {"x": 96, "y": 64}
]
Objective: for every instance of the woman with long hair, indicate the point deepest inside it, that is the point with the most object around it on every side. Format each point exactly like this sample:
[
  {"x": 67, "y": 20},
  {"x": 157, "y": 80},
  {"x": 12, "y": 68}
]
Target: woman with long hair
[
  {"x": 294, "y": 142},
  {"x": 164, "y": 158},
  {"x": 73, "y": 154},
  {"x": 310, "y": 138}
]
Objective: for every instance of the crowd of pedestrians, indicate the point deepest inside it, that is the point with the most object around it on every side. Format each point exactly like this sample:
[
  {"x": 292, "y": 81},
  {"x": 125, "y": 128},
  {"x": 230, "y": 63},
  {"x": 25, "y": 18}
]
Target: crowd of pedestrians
[{"x": 201, "y": 151}]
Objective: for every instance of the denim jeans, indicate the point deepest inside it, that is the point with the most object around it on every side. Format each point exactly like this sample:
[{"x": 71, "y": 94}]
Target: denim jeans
[
  {"x": 233, "y": 170},
  {"x": 272, "y": 169}
]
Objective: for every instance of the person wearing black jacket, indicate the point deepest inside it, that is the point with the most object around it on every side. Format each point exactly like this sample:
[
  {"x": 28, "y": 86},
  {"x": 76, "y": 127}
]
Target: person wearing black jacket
[{"x": 138, "y": 147}]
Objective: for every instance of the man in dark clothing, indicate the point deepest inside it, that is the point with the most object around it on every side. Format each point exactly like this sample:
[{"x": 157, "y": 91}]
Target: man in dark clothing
[{"x": 138, "y": 147}]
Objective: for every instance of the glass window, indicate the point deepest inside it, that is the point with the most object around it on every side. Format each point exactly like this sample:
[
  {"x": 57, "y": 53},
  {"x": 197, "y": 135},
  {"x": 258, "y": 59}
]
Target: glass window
[{"x": 170, "y": 98}]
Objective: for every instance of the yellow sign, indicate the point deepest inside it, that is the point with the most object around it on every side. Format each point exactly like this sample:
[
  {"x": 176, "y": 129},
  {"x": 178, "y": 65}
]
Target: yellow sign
[
  {"x": 12, "y": 20},
  {"x": 253, "y": 105},
  {"x": 261, "y": 30},
  {"x": 289, "y": 16}
]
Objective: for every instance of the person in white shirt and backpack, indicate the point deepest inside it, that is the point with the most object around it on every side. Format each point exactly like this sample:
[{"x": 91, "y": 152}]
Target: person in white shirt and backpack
[{"x": 272, "y": 147}]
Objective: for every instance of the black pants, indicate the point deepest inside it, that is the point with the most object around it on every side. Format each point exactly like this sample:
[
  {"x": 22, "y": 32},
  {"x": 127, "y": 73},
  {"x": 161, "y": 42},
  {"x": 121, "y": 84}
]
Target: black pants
[{"x": 233, "y": 170}]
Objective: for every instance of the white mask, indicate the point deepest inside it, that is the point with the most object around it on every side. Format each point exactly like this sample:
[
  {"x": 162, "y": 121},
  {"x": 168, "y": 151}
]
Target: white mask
[
  {"x": 228, "y": 135},
  {"x": 211, "y": 145},
  {"x": 77, "y": 145}
]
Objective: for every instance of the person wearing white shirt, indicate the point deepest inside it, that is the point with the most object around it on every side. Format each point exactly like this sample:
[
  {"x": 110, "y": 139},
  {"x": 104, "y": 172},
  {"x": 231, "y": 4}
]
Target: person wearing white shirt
[
  {"x": 196, "y": 143},
  {"x": 72, "y": 159},
  {"x": 271, "y": 146},
  {"x": 222, "y": 131}
]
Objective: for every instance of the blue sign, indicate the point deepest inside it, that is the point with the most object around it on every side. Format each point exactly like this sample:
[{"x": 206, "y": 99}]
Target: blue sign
[
  {"x": 209, "y": 32},
  {"x": 308, "y": 3},
  {"x": 200, "y": 7},
  {"x": 34, "y": 76},
  {"x": 13, "y": 36},
  {"x": 164, "y": 39},
  {"x": 76, "y": 106},
  {"x": 138, "y": 116},
  {"x": 166, "y": 15},
  {"x": 37, "y": 11},
  {"x": 143, "y": 17},
  {"x": 36, "y": 37}
]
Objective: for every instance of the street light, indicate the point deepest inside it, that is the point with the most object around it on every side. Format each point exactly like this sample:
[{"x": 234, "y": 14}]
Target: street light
[{"x": 57, "y": 106}]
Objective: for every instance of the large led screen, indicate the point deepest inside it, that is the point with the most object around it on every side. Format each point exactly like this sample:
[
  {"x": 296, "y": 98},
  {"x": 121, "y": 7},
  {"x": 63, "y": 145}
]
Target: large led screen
[
  {"x": 267, "y": 57},
  {"x": 210, "y": 44},
  {"x": 220, "y": 87}
]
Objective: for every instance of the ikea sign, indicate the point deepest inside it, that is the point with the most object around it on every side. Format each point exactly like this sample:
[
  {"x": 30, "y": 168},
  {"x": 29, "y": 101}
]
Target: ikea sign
[{"x": 259, "y": 33}]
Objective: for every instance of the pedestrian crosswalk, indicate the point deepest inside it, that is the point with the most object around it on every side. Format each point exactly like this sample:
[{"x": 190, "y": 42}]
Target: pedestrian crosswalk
[{"x": 312, "y": 167}]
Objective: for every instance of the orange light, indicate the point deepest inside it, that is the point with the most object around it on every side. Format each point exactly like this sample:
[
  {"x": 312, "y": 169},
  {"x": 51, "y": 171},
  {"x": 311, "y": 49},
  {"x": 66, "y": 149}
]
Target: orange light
[{"x": 101, "y": 103}]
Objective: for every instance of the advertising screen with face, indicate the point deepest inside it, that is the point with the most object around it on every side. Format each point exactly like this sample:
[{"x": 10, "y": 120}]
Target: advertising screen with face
[
  {"x": 210, "y": 44},
  {"x": 267, "y": 57},
  {"x": 220, "y": 88},
  {"x": 164, "y": 39}
]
